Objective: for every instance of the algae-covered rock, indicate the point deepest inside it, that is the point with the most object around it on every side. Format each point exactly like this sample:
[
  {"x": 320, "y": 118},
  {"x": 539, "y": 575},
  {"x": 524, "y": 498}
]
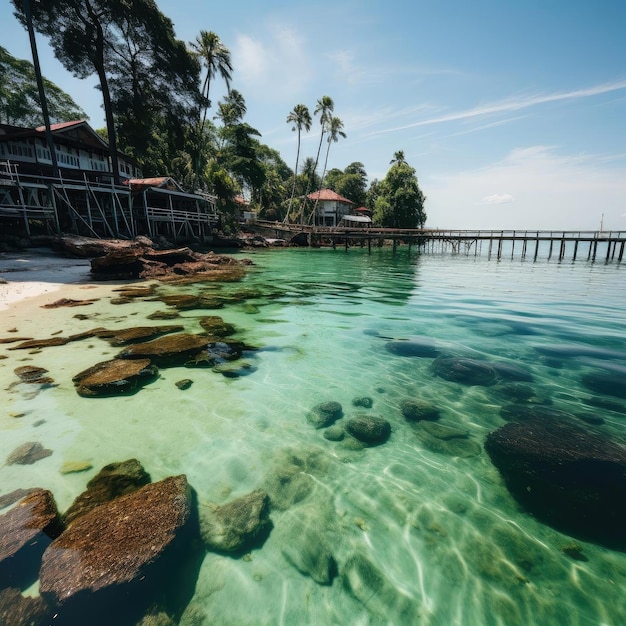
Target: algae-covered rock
[
  {"x": 19, "y": 610},
  {"x": 238, "y": 525},
  {"x": 112, "y": 481},
  {"x": 364, "y": 402},
  {"x": 441, "y": 431},
  {"x": 124, "y": 336},
  {"x": 325, "y": 414},
  {"x": 115, "y": 377},
  {"x": 26, "y": 530},
  {"x": 369, "y": 429},
  {"x": 334, "y": 433},
  {"x": 215, "y": 325},
  {"x": 125, "y": 556},
  {"x": 167, "y": 351},
  {"x": 415, "y": 410}
]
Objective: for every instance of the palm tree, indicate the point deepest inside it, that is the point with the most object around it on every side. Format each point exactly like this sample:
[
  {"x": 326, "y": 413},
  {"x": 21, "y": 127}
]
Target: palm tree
[
  {"x": 300, "y": 118},
  {"x": 335, "y": 130},
  {"x": 398, "y": 158},
  {"x": 215, "y": 57},
  {"x": 325, "y": 107}
]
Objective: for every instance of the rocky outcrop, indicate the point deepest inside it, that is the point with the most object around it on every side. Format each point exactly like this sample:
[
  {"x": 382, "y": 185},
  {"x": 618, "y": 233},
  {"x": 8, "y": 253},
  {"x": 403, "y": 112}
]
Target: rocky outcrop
[
  {"x": 124, "y": 556},
  {"x": 115, "y": 377},
  {"x": 179, "y": 265},
  {"x": 18, "y": 610},
  {"x": 25, "y": 532},
  {"x": 239, "y": 525},
  {"x": 122, "y": 337},
  {"x": 415, "y": 410},
  {"x": 112, "y": 481},
  {"x": 566, "y": 475}
]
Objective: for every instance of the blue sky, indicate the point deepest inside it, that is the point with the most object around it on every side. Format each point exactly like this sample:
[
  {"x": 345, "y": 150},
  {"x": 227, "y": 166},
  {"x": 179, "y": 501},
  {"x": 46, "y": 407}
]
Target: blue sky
[{"x": 513, "y": 113}]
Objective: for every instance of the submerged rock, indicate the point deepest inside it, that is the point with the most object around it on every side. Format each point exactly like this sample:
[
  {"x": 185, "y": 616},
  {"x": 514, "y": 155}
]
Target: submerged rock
[
  {"x": 215, "y": 325},
  {"x": 167, "y": 351},
  {"x": 324, "y": 414},
  {"x": 565, "y": 475},
  {"x": 112, "y": 481},
  {"x": 369, "y": 429},
  {"x": 306, "y": 540},
  {"x": 608, "y": 383},
  {"x": 510, "y": 371},
  {"x": 25, "y": 532},
  {"x": 125, "y": 336},
  {"x": 19, "y": 610},
  {"x": 424, "y": 347},
  {"x": 238, "y": 525},
  {"x": 135, "y": 552},
  {"x": 115, "y": 377},
  {"x": 364, "y": 402},
  {"x": 465, "y": 371},
  {"x": 34, "y": 344},
  {"x": 28, "y": 453},
  {"x": 30, "y": 373},
  {"x": 415, "y": 410}
]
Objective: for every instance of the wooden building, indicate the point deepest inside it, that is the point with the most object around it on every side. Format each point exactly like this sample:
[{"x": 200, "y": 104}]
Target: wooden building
[{"x": 81, "y": 197}]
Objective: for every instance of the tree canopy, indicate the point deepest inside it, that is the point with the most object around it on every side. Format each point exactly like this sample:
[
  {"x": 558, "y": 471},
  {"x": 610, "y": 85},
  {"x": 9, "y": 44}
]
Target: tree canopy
[
  {"x": 19, "y": 98},
  {"x": 398, "y": 200}
]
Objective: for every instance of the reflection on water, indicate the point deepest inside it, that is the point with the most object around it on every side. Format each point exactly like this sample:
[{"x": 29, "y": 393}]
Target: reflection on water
[{"x": 419, "y": 529}]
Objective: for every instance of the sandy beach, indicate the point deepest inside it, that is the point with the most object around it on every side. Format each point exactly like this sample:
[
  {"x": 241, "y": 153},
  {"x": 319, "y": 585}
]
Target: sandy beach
[{"x": 36, "y": 272}]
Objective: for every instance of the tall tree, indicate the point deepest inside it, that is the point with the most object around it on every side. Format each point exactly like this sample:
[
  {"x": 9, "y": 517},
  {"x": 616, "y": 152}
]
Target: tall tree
[
  {"x": 301, "y": 119},
  {"x": 20, "y": 102},
  {"x": 400, "y": 201},
  {"x": 335, "y": 130},
  {"x": 88, "y": 36},
  {"x": 215, "y": 58},
  {"x": 232, "y": 109}
]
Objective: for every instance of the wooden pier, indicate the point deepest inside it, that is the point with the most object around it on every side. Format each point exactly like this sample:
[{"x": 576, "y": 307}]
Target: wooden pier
[{"x": 560, "y": 245}]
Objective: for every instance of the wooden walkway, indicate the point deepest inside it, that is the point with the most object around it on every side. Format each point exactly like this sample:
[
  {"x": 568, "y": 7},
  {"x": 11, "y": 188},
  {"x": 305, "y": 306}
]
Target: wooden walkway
[{"x": 592, "y": 245}]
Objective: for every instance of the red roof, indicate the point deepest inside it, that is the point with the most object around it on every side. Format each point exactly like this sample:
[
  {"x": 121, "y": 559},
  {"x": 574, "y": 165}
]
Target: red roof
[
  {"x": 362, "y": 209},
  {"x": 60, "y": 125},
  {"x": 328, "y": 194}
]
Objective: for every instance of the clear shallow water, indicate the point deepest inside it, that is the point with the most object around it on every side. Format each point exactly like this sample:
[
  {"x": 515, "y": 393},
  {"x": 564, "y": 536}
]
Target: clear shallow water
[{"x": 420, "y": 534}]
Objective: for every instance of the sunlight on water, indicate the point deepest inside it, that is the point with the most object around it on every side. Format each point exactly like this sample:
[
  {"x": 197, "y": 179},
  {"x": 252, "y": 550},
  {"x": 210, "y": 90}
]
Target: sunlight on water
[{"x": 421, "y": 527}]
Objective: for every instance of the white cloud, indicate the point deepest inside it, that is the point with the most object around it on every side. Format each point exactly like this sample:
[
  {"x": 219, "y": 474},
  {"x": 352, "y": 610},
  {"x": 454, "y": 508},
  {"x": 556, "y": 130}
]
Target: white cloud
[
  {"x": 546, "y": 191},
  {"x": 498, "y": 198},
  {"x": 514, "y": 104}
]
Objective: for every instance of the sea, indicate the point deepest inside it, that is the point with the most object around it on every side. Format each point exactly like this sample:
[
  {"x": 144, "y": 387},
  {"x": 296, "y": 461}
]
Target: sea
[{"x": 418, "y": 529}]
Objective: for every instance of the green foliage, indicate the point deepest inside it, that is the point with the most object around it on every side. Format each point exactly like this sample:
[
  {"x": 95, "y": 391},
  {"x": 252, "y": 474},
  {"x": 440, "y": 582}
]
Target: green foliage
[
  {"x": 351, "y": 183},
  {"x": 19, "y": 97},
  {"x": 399, "y": 202}
]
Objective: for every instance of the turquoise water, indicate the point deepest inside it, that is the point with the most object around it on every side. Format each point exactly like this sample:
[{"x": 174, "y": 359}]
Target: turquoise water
[{"x": 422, "y": 532}]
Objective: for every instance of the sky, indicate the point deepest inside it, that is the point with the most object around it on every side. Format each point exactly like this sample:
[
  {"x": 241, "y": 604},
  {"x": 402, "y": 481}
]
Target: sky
[{"x": 512, "y": 112}]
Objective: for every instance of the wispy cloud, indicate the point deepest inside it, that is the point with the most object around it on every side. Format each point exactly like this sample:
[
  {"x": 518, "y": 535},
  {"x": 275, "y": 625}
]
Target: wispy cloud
[
  {"x": 513, "y": 104},
  {"x": 498, "y": 198}
]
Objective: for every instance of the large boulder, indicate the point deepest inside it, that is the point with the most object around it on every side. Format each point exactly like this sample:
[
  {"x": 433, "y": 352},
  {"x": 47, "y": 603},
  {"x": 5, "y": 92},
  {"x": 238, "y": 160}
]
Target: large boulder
[
  {"x": 124, "y": 336},
  {"x": 19, "y": 610},
  {"x": 565, "y": 475},
  {"x": 112, "y": 481},
  {"x": 238, "y": 525},
  {"x": 115, "y": 377},
  {"x": 417, "y": 347},
  {"x": 25, "y": 532},
  {"x": 124, "y": 556}
]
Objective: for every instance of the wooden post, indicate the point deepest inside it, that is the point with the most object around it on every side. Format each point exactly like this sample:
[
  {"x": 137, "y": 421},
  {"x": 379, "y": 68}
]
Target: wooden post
[
  {"x": 369, "y": 245},
  {"x": 575, "y": 249},
  {"x": 499, "y": 248},
  {"x": 595, "y": 250},
  {"x": 562, "y": 250},
  {"x": 536, "y": 247},
  {"x": 490, "y": 244},
  {"x": 395, "y": 245},
  {"x": 551, "y": 244},
  {"x": 621, "y": 252}
]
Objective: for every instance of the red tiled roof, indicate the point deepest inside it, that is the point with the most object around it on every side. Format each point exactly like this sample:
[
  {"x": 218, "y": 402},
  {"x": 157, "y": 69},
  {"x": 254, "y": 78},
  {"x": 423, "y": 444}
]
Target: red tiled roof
[
  {"x": 362, "y": 209},
  {"x": 328, "y": 194}
]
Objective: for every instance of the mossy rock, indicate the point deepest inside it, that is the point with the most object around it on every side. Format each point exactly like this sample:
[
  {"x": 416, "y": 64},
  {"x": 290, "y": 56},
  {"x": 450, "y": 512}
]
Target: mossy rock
[
  {"x": 416, "y": 410},
  {"x": 115, "y": 377},
  {"x": 325, "y": 414},
  {"x": 215, "y": 325},
  {"x": 167, "y": 351},
  {"x": 369, "y": 429},
  {"x": 465, "y": 371}
]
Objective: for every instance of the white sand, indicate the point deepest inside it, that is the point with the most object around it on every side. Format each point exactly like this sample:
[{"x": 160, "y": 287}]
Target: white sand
[{"x": 36, "y": 272}]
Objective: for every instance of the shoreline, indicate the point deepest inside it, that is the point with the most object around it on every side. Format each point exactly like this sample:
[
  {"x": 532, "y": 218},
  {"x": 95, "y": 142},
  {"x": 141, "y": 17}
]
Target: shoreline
[{"x": 37, "y": 272}]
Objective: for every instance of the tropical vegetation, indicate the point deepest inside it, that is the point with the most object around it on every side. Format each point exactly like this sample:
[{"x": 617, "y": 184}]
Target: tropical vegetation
[{"x": 157, "y": 100}]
